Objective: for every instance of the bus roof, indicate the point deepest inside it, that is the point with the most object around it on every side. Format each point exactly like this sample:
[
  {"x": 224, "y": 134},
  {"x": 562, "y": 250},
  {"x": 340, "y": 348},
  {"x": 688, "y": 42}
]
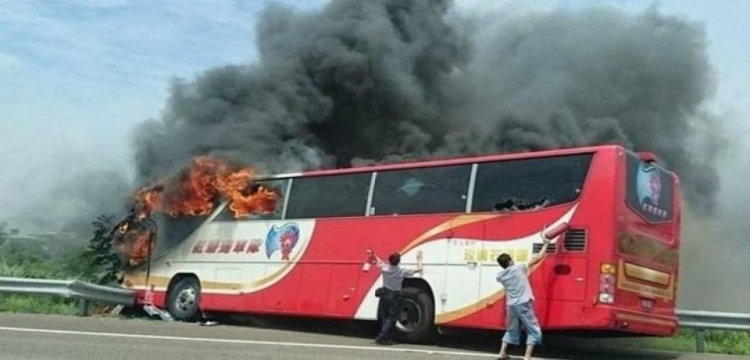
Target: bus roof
[{"x": 447, "y": 161}]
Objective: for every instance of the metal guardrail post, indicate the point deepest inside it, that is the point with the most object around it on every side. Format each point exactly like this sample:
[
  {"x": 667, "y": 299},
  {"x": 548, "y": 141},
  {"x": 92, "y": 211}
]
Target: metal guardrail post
[
  {"x": 704, "y": 321},
  {"x": 700, "y": 341},
  {"x": 82, "y": 307}
]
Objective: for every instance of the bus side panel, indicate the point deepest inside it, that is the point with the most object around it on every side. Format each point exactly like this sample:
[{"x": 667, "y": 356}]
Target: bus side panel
[
  {"x": 566, "y": 284},
  {"x": 343, "y": 243},
  {"x": 514, "y": 233},
  {"x": 316, "y": 280},
  {"x": 284, "y": 299}
]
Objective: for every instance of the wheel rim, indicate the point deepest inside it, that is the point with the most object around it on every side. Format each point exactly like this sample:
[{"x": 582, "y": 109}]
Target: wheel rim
[
  {"x": 410, "y": 316},
  {"x": 185, "y": 299}
]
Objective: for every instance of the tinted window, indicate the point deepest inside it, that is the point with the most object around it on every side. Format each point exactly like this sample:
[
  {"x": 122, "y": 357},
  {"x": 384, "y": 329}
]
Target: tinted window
[
  {"x": 649, "y": 190},
  {"x": 421, "y": 191},
  {"x": 262, "y": 203},
  {"x": 329, "y": 196},
  {"x": 529, "y": 183}
]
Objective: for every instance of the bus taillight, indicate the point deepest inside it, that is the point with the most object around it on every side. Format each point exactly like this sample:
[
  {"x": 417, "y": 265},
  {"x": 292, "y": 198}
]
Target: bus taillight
[{"x": 607, "y": 283}]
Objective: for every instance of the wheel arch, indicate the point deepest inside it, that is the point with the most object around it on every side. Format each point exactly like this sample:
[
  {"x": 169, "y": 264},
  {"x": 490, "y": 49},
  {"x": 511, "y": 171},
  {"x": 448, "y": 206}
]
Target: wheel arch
[
  {"x": 175, "y": 279},
  {"x": 423, "y": 285},
  {"x": 423, "y": 333}
]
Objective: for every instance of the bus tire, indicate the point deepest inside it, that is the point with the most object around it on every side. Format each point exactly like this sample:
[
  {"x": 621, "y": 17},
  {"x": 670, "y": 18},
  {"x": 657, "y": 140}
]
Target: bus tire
[
  {"x": 416, "y": 322},
  {"x": 183, "y": 299}
]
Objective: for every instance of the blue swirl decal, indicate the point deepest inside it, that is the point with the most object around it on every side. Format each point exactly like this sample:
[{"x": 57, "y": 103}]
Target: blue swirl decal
[{"x": 282, "y": 238}]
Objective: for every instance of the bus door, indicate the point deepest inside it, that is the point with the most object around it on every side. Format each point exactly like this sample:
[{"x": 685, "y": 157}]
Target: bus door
[{"x": 238, "y": 261}]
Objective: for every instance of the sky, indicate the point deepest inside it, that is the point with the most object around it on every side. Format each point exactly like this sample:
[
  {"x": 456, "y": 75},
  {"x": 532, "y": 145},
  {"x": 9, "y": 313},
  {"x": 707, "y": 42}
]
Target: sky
[{"x": 77, "y": 76}]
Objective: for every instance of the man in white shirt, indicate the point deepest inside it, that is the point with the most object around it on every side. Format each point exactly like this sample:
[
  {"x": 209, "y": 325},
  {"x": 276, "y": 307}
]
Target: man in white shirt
[
  {"x": 393, "y": 277},
  {"x": 519, "y": 300}
]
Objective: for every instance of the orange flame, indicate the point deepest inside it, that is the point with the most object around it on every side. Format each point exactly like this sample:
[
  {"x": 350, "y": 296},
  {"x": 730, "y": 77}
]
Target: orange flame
[
  {"x": 134, "y": 238},
  {"x": 140, "y": 244},
  {"x": 263, "y": 200},
  {"x": 192, "y": 193},
  {"x": 148, "y": 199},
  {"x": 195, "y": 190}
]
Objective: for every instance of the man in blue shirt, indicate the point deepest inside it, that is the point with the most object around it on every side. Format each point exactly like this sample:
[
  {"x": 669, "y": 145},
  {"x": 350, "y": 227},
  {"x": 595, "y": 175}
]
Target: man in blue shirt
[{"x": 519, "y": 300}]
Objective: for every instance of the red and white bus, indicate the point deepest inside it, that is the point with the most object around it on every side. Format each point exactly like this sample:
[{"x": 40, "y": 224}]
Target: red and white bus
[{"x": 613, "y": 270}]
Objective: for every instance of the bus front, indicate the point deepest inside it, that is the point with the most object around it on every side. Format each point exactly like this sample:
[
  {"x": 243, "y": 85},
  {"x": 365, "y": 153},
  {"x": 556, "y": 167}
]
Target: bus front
[{"x": 639, "y": 284}]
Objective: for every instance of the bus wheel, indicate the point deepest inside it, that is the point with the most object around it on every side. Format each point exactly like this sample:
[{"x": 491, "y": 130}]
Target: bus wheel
[
  {"x": 416, "y": 323},
  {"x": 182, "y": 300}
]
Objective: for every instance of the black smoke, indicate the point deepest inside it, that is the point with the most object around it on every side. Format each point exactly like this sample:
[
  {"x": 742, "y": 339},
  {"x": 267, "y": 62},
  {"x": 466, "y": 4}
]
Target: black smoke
[{"x": 370, "y": 81}]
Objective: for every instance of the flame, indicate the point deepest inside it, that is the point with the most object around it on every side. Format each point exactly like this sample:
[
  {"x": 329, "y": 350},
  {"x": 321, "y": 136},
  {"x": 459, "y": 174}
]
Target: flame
[
  {"x": 149, "y": 199},
  {"x": 196, "y": 189},
  {"x": 262, "y": 201},
  {"x": 134, "y": 238},
  {"x": 143, "y": 246},
  {"x": 193, "y": 192}
]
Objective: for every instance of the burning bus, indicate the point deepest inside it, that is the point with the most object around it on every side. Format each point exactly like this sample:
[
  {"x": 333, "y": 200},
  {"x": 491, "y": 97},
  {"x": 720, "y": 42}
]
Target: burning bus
[{"x": 296, "y": 244}]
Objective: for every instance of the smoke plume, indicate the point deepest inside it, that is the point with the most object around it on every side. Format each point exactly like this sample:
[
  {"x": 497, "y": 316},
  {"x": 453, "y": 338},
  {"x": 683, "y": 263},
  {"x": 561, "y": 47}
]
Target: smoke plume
[
  {"x": 361, "y": 82},
  {"x": 75, "y": 200},
  {"x": 370, "y": 81}
]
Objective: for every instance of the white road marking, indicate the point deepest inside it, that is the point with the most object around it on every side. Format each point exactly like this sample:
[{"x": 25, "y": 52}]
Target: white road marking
[{"x": 252, "y": 342}]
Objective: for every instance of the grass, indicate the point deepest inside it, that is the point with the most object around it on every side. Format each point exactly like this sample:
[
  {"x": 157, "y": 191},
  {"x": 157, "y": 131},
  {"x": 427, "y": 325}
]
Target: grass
[
  {"x": 26, "y": 303},
  {"x": 37, "y": 304},
  {"x": 716, "y": 341}
]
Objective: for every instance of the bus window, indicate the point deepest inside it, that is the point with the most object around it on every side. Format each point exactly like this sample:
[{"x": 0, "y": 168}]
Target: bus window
[
  {"x": 649, "y": 190},
  {"x": 277, "y": 186},
  {"x": 527, "y": 184},
  {"x": 328, "y": 196},
  {"x": 421, "y": 191}
]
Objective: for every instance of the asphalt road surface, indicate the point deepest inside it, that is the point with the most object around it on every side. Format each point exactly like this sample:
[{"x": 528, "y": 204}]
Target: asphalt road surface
[{"x": 43, "y": 337}]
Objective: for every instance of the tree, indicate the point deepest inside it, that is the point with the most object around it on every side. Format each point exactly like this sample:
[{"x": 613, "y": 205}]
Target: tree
[
  {"x": 103, "y": 263},
  {"x": 3, "y": 234}
]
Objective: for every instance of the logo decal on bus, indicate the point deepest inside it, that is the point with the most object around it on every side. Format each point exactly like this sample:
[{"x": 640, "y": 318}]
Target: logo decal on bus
[
  {"x": 282, "y": 238},
  {"x": 226, "y": 246}
]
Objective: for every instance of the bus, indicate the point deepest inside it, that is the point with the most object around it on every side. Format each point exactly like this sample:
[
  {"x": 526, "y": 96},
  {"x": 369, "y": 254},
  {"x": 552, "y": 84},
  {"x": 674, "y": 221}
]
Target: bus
[{"x": 612, "y": 266}]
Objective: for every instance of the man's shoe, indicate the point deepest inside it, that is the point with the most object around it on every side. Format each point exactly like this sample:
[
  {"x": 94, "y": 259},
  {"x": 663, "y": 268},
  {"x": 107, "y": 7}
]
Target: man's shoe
[{"x": 384, "y": 342}]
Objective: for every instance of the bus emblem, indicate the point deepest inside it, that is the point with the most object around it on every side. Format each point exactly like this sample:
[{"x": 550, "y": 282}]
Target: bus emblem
[{"x": 282, "y": 238}]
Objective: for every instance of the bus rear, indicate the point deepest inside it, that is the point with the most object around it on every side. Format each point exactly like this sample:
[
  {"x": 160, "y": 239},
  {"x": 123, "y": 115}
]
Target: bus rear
[
  {"x": 639, "y": 284},
  {"x": 614, "y": 270}
]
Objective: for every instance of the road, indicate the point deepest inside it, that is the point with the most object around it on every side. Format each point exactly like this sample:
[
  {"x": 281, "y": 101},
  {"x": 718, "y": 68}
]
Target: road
[{"x": 42, "y": 337}]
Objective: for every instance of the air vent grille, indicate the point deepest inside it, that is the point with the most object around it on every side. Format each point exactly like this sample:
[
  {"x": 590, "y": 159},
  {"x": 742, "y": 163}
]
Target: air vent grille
[{"x": 575, "y": 240}]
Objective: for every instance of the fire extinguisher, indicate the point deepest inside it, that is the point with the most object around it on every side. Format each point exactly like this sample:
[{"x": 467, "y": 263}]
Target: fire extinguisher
[{"x": 369, "y": 260}]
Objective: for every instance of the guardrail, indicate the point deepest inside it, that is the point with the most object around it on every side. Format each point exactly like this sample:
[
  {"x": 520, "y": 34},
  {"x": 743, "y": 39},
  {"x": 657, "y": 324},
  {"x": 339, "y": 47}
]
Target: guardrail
[
  {"x": 71, "y": 289},
  {"x": 711, "y": 320},
  {"x": 693, "y": 319}
]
